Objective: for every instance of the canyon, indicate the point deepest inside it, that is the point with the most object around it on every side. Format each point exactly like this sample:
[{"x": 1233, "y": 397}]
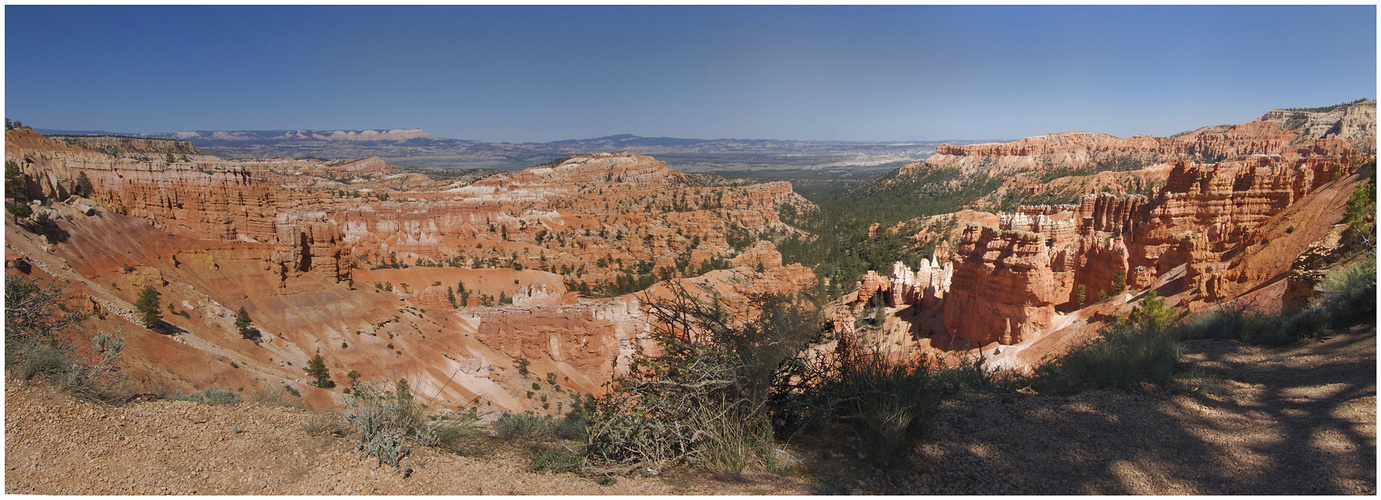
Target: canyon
[
  {"x": 1231, "y": 209},
  {"x": 467, "y": 288},
  {"x": 524, "y": 291}
]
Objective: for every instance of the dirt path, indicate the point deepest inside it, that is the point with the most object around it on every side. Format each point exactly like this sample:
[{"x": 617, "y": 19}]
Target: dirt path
[{"x": 1297, "y": 419}]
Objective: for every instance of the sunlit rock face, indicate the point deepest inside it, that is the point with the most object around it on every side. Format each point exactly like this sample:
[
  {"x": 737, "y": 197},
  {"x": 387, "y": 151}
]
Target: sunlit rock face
[
  {"x": 445, "y": 281},
  {"x": 1271, "y": 188}
]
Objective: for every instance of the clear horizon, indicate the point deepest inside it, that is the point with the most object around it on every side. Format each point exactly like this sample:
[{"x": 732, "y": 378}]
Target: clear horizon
[{"x": 549, "y": 73}]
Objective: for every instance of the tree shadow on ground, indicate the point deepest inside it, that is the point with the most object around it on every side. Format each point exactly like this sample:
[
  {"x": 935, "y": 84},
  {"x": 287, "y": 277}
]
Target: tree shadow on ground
[
  {"x": 167, "y": 328},
  {"x": 1294, "y": 419}
]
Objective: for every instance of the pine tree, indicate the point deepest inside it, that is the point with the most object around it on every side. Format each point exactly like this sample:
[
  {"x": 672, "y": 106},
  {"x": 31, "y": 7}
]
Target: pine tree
[
  {"x": 242, "y": 322},
  {"x": 316, "y": 368},
  {"x": 148, "y": 306},
  {"x": 464, "y": 294},
  {"x": 1152, "y": 313},
  {"x": 84, "y": 187},
  {"x": 1119, "y": 282}
]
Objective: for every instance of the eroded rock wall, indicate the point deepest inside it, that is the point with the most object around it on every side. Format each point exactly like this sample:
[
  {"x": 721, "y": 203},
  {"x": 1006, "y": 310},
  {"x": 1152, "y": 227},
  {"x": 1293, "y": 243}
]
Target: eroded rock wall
[{"x": 1003, "y": 287}]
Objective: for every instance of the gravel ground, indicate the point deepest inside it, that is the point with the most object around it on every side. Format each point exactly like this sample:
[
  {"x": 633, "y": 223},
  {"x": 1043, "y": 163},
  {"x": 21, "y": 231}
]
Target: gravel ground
[
  {"x": 58, "y": 445},
  {"x": 1264, "y": 420}
]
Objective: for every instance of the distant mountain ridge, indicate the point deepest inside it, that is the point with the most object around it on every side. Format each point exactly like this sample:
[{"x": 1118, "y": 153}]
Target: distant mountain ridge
[
  {"x": 289, "y": 135},
  {"x": 417, "y": 148},
  {"x": 263, "y": 135}
]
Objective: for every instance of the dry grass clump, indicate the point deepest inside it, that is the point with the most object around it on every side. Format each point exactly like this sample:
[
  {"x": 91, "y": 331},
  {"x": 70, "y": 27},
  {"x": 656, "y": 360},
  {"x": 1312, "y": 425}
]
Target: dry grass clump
[
  {"x": 1145, "y": 348},
  {"x": 37, "y": 344}
]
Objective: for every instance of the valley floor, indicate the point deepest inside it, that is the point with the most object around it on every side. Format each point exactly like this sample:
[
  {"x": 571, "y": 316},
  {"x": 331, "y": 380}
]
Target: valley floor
[{"x": 1265, "y": 420}]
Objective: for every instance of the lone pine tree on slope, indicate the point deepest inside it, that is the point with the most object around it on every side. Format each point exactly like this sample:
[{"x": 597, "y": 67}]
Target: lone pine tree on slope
[
  {"x": 316, "y": 368},
  {"x": 148, "y": 306},
  {"x": 243, "y": 323}
]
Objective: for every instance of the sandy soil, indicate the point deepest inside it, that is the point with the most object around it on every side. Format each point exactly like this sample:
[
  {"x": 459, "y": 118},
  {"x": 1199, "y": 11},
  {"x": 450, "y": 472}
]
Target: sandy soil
[{"x": 1297, "y": 419}]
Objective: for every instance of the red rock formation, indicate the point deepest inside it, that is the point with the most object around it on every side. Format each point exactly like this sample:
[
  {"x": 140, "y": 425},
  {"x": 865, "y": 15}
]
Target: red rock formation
[
  {"x": 287, "y": 242},
  {"x": 564, "y": 334},
  {"x": 760, "y": 254},
  {"x": 371, "y": 165},
  {"x": 1003, "y": 287},
  {"x": 1278, "y": 135},
  {"x": 1100, "y": 259},
  {"x": 1110, "y": 213},
  {"x": 870, "y": 286},
  {"x": 1224, "y": 202},
  {"x": 924, "y": 287},
  {"x": 1205, "y": 217}
]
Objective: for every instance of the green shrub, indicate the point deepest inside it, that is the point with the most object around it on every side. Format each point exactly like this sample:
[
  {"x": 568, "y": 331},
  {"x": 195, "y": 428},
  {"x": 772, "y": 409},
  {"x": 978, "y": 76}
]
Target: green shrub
[
  {"x": 385, "y": 420},
  {"x": 147, "y": 305},
  {"x": 554, "y": 459},
  {"x": 1305, "y": 324},
  {"x": 316, "y": 368},
  {"x": 1348, "y": 296},
  {"x": 34, "y": 358},
  {"x": 327, "y": 424},
  {"x": 1119, "y": 282},
  {"x": 84, "y": 187},
  {"x": 1218, "y": 323},
  {"x": 1123, "y": 358},
  {"x": 245, "y": 325},
  {"x": 708, "y": 397},
  {"x": 1360, "y": 215},
  {"x": 575, "y": 425},
  {"x": 1146, "y": 347},
  {"x": 1236, "y": 323},
  {"x": 878, "y": 405},
  {"x": 274, "y": 394},
  {"x": 1152, "y": 313},
  {"x": 212, "y": 396},
  {"x": 33, "y": 317},
  {"x": 524, "y": 426},
  {"x": 462, "y": 436},
  {"x": 19, "y": 210},
  {"x": 33, "y": 312}
]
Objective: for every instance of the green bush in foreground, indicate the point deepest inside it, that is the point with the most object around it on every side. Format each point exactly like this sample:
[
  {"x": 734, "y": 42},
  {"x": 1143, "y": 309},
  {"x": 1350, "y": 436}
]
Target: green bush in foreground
[
  {"x": 1146, "y": 348},
  {"x": 1125, "y": 356},
  {"x": 524, "y": 426},
  {"x": 35, "y": 346},
  {"x": 707, "y": 398},
  {"x": 386, "y": 421},
  {"x": 1348, "y": 296},
  {"x": 724, "y": 393},
  {"x": 876, "y": 405},
  {"x": 213, "y": 396}
]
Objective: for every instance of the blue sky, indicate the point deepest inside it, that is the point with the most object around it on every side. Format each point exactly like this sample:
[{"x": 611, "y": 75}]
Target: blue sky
[{"x": 542, "y": 73}]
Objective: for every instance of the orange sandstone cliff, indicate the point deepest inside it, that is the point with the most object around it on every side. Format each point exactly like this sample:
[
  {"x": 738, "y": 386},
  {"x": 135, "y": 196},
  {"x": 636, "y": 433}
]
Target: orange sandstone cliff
[
  {"x": 462, "y": 285},
  {"x": 1235, "y": 206}
]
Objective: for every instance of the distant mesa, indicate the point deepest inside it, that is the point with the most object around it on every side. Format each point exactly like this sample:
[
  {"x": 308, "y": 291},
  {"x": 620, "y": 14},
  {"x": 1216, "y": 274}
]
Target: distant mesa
[{"x": 395, "y": 135}]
